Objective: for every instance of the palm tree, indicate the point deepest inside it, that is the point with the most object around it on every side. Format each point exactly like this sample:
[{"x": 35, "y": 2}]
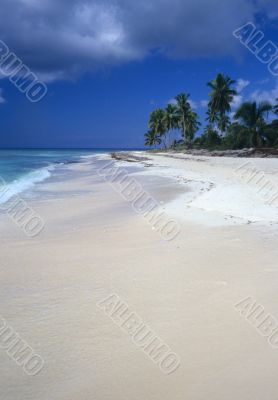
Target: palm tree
[
  {"x": 251, "y": 115},
  {"x": 192, "y": 126},
  {"x": 170, "y": 119},
  {"x": 157, "y": 123},
  {"x": 183, "y": 110},
  {"x": 221, "y": 98},
  {"x": 152, "y": 139},
  {"x": 212, "y": 117},
  {"x": 224, "y": 123}
]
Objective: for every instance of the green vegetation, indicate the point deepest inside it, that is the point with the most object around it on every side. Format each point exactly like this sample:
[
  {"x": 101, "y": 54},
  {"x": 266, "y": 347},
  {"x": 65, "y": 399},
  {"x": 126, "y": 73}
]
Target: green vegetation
[
  {"x": 252, "y": 117},
  {"x": 249, "y": 126},
  {"x": 152, "y": 139},
  {"x": 221, "y": 98}
]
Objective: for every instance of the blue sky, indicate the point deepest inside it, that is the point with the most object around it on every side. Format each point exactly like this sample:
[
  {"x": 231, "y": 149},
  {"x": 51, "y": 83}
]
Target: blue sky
[{"x": 108, "y": 64}]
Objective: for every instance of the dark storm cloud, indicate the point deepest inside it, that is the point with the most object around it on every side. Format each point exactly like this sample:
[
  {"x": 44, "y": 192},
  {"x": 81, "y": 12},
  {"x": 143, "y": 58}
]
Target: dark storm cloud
[{"x": 63, "y": 38}]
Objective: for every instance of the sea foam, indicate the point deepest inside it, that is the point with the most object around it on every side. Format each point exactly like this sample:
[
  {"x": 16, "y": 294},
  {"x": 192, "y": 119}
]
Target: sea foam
[{"x": 8, "y": 190}]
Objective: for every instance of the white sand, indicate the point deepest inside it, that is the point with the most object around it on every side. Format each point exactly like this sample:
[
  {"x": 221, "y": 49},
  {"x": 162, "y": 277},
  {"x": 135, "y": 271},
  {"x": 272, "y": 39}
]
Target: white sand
[
  {"x": 223, "y": 190},
  {"x": 185, "y": 290}
]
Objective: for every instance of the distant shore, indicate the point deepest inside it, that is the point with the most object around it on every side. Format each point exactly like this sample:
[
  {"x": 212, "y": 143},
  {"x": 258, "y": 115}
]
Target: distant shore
[{"x": 252, "y": 153}]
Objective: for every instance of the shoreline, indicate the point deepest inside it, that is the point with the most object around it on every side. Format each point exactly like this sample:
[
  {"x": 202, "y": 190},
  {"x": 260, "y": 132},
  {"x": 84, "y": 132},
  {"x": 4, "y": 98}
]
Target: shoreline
[{"x": 210, "y": 191}]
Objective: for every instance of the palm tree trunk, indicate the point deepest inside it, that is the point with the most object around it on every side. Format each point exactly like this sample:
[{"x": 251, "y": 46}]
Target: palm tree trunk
[{"x": 255, "y": 138}]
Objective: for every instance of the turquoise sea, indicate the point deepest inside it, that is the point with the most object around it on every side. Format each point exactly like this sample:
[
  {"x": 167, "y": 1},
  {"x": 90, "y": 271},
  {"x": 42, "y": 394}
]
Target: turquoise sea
[{"x": 21, "y": 169}]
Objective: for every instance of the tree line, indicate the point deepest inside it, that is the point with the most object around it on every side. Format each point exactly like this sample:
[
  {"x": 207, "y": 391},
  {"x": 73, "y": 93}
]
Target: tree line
[{"x": 248, "y": 127}]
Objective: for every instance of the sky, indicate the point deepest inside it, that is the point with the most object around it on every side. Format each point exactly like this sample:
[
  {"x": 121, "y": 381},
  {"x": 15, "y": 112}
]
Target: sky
[{"x": 108, "y": 63}]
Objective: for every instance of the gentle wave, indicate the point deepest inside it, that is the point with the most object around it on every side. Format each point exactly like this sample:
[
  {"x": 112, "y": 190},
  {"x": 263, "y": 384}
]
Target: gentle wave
[{"x": 25, "y": 182}]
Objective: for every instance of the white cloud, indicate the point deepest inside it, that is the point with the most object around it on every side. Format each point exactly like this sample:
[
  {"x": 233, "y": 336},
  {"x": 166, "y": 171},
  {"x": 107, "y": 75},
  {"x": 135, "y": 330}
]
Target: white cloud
[
  {"x": 237, "y": 100},
  {"x": 241, "y": 84},
  {"x": 193, "y": 104},
  {"x": 203, "y": 103},
  {"x": 265, "y": 95},
  {"x": 172, "y": 101}
]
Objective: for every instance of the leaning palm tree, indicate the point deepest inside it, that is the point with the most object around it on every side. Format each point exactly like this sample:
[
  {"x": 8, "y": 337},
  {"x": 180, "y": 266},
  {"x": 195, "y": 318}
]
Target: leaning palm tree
[
  {"x": 221, "y": 98},
  {"x": 170, "y": 119},
  {"x": 252, "y": 116},
  {"x": 183, "y": 108},
  {"x": 152, "y": 139},
  {"x": 157, "y": 123}
]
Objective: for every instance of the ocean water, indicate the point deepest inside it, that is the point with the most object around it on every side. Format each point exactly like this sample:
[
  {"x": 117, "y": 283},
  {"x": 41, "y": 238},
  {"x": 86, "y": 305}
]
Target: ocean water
[{"x": 22, "y": 169}]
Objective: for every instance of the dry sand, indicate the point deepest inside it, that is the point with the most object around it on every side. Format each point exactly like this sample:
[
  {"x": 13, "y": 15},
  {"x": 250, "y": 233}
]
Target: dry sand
[{"x": 94, "y": 244}]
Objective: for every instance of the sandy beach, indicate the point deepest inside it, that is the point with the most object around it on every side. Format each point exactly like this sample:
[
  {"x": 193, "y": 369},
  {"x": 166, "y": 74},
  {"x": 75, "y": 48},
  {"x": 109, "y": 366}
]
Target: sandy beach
[{"x": 95, "y": 246}]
